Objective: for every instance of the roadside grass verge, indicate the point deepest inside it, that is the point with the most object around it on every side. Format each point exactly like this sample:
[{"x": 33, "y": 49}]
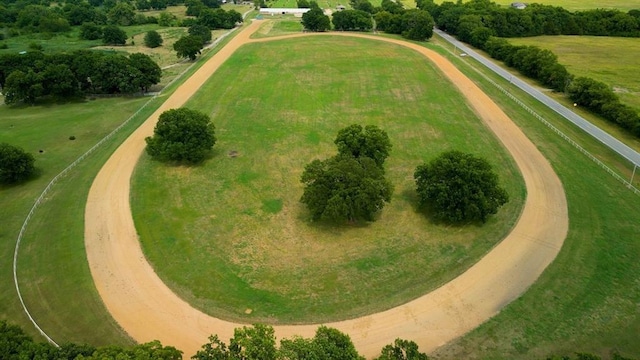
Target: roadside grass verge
[
  {"x": 231, "y": 235},
  {"x": 587, "y": 300},
  {"x": 52, "y": 268},
  {"x": 612, "y": 60}
]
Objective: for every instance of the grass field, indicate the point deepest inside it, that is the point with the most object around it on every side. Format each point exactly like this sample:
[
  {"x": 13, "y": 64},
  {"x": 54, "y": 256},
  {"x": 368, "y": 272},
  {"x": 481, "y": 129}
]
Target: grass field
[
  {"x": 611, "y": 60},
  {"x": 586, "y": 300},
  {"x": 61, "y": 283},
  {"x": 578, "y": 5},
  {"x": 53, "y": 272},
  {"x": 231, "y": 235}
]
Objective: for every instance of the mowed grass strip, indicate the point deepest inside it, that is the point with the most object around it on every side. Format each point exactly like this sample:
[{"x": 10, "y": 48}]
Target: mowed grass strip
[
  {"x": 587, "y": 300},
  {"x": 231, "y": 235}
]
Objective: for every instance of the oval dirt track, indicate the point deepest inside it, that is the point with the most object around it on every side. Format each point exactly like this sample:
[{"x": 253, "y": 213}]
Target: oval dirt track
[{"x": 147, "y": 309}]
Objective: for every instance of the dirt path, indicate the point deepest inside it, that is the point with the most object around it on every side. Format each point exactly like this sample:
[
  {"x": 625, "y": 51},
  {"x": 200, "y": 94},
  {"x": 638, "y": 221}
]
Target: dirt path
[{"x": 147, "y": 309}]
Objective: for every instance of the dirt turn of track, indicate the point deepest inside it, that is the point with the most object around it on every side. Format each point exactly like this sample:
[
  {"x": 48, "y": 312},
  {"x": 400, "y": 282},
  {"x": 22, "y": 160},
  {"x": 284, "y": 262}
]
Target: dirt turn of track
[{"x": 147, "y": 309}]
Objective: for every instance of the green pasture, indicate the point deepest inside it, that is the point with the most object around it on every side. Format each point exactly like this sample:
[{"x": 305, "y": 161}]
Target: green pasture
[
  {"x": 578, "y": 5},
  {"x": 586, "y": 301},
  {"x": 52, "y": 269},
  {"x": 231, "y": 235},
  {"x": 611, "y": 60}
]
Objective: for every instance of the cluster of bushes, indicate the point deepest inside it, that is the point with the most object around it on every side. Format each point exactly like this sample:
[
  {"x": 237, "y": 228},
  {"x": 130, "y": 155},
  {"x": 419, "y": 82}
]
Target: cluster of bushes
[
  {"x": 27, "y": 77},
  {"x": 532, "y": 61},
  {"x": 390, "y": 17},
  {"x": 534, "y": 20},
  {"x": 476, "y": 23},
  {"x": 600, "y": 99}
]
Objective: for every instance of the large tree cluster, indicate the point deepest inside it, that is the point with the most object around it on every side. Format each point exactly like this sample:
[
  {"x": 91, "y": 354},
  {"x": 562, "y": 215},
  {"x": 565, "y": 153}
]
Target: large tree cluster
[
  {"x": 27, "y": 77},
  {"x": 350, "y": 186},
  {"x": 460, "y": 18}
]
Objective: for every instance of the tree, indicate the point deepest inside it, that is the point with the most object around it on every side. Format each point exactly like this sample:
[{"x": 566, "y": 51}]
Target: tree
[
  {"x": 188, "y": 46},
  {"x": 150, "y": 72},
  {"x": 152, "y": 39},
  {"x": 15, "y": 164},
  {"x": 345, "y": 188},
  {"x": 459, "y": 187},
  {"x": 21, "y": 86},
  {"x": 418, "y": 25},
  {"x": 371, "y": 142},
  {"x": 202, "y": 31},
  {"x": 113, "y": 35},
  {"x": 90, "y": 31},
  {"x": 182, "y": 135},
  {"x": 122, "y": 14},
  {"x": 335, "y": 345},
  {"x": 315, "y": 19},
  {"x": 352, "y": 20},
  {"x": 402, "y": 350},
  {"x": 59, "y": 81}
]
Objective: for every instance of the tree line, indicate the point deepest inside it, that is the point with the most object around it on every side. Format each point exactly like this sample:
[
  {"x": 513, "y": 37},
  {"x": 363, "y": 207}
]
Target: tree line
[
  {"x": 257, "y": 342},
  {"x": 39, "y": 16},
  {"x": 482, "y": 23},
  {"x": 27, "y": 77},
  {"x": 534, "y": 20},
  {"x": 390, "y": 17}
]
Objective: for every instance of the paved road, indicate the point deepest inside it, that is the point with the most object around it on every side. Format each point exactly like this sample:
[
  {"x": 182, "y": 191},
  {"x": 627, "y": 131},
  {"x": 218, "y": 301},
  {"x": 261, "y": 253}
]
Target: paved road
[{"x": 608, "y": 140}]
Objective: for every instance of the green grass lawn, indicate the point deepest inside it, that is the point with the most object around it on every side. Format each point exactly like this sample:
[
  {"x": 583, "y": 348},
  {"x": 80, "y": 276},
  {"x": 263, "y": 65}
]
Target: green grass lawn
[
  {"x": 53, "y": 272},
  {"x": 231, "y": 235},
  {"x": 611, "y": 60},
  {"x": 586, "y": 301},
  {"x": 578, "y": 5}
]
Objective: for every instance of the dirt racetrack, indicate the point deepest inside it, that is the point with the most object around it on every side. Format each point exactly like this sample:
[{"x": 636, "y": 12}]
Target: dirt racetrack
[{"x": 147, "y": 309}]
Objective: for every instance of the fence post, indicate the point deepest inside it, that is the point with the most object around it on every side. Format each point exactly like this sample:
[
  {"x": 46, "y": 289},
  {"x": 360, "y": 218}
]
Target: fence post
[{"x": 633, "y": 173}]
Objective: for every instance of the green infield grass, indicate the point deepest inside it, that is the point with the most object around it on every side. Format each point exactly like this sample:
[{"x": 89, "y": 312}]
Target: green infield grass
[
  {"x": 231, "y": 235},
  {"x": 587, "y": 300}
]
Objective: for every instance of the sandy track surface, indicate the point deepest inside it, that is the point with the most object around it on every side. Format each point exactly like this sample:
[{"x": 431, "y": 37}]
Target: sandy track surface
[{"x": 147, "y": 309}]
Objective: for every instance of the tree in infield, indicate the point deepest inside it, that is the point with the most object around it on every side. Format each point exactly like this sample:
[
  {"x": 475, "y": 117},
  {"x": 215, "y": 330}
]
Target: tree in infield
[
  {"x": 459, "y": 187},
  {"x": 345, "y": 188},
  {"x": 15, "y": 164},
  {"x": 182, "y": 135},
  {"x": 370, "y": 141}
]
